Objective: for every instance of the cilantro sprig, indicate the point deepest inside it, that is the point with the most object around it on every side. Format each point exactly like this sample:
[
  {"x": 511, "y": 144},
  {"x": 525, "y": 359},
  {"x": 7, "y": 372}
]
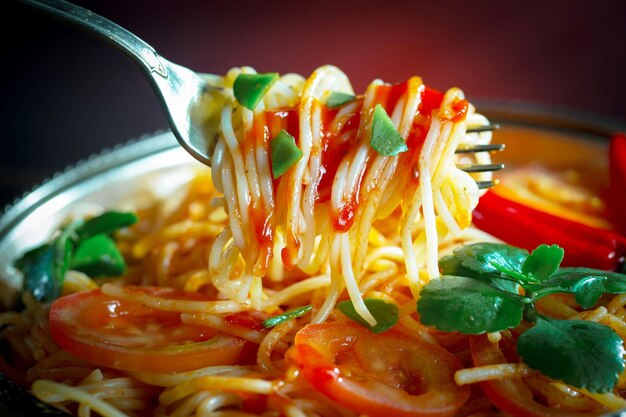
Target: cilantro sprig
[{"x": 488, "y": 287}]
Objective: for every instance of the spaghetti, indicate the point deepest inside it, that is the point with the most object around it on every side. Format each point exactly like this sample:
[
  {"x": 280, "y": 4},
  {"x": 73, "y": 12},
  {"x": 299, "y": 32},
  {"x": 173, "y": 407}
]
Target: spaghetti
[{"x": 182, "y": 332}]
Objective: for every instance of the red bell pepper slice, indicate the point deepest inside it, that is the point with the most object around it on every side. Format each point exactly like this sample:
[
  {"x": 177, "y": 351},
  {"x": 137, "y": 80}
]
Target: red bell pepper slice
[
  {"x": 526, "y": 227},
  {"x": 616, "y": 199}
]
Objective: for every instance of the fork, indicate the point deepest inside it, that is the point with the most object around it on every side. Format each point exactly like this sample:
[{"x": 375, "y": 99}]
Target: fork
[{"x": 179, "y": 89}]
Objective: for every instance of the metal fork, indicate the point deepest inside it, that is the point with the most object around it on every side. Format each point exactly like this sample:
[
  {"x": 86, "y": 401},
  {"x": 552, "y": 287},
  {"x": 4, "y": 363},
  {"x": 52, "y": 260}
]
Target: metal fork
[
  {"x": 178, "y": 88},
  {"x": 492, "y": 147}
]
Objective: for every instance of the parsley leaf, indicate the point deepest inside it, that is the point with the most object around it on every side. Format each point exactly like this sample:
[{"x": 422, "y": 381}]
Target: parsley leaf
[
  {"x": 386, "y": 314},
  {"x": 584, "y": 354},
  {"x": 468, "y": 306},
  {"x": 586, "y": 284},
  {"x": 543, "y": 261},
  {"x": 486, "y": 258},
  {"x": 451, "y": 265},
  {"x": 385, "y": 138}
]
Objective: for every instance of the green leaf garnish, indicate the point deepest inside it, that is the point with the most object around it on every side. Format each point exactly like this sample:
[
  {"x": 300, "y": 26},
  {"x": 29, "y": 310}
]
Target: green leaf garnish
[
  {"x": 287, "y": 315},
  {"x": 584, "y": 354},
  {"x": 83, "y": 245},
  {"x": 385, "y": 138},
  {"x": 586, "y": 284},
  {"x": 543, "y": 261},
  {"x": 284, "y": 153},
  {"x": 468, "y": 306},
  {"x": 105, "y": 223},
  {"x": 451, "y": 265},
  {"x": 337, "y": 99},
  {"x": 484, "y": 298},
  {"x": 489, "y": 258},
  {"x": 249, "y": 89},
  {"x": 386, "y": 314},
  {"x": 98, "y": 256}
]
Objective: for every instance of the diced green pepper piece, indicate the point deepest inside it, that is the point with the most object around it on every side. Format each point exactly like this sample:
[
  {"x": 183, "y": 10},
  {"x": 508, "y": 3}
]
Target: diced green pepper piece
[
  {"x": 98, "y": 256},
  {"x": 249, "y": 89},
  {"x": 337, "y": 99},
  {"x": 284, "y": 152},
  {"x": 105, "y": 223},
  {"x": 385, "y": 138}
]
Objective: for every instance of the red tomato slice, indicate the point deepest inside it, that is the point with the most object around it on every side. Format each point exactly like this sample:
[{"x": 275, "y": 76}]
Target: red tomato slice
[
  {"x": 511, "y": 395},
  {"x": 380, "y": 375},
  {"x": 125, "y": 335}
]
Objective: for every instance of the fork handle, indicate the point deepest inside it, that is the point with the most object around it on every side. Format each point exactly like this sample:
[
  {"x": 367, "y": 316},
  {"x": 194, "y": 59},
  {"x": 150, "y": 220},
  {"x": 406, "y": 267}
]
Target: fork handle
[{"x": 135, "y": 48}]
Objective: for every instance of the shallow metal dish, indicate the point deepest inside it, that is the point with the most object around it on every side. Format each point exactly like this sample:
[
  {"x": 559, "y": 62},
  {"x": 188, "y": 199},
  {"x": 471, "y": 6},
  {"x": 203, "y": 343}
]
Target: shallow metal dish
[{"x": 157, "y": 166}]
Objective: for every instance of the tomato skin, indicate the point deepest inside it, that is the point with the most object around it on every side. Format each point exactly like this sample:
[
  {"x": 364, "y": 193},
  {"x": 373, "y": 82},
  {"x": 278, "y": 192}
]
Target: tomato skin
[
  {"x": 511, "y": 395},
  {"x": 373, "y": 371},
  {"x": 93, "y": 326}
]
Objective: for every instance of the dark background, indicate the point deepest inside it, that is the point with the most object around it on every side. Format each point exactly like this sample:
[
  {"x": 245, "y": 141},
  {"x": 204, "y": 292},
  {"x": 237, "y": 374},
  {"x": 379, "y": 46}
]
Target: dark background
[{"x": 66, "y": 95}]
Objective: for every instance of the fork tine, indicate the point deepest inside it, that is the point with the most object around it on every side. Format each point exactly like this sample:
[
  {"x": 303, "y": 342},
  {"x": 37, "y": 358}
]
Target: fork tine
[
  {"x": 483, "y": 185},
  {"x": 485, "y": 128},
  {"x": 480, "y": 148},
  {"x": 480, "y": 167}
]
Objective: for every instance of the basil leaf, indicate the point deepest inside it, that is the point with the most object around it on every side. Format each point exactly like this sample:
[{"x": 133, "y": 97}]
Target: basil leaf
[
  {"x": 287, "y": 315},
  {"x": 249, "y": 89},
  {"x": 586, "y": 284},
  {"x": 468, "y": 306},
  {"x": 451, "y": 265},
  {"x": 44, "y": 268},
  {"x": 584, "y": 354},
  {"x": 337, "y": 99},
  {"x": 105, "y": 223},
  {"x": 543, "y": 261},
  {"x": 284, "y": 153},
  {"x": 385, "y": 138},
  {"x": 489, "y": 258},
  {"x": 98, "y": 256},
  {"x": 386, "y": 314}
]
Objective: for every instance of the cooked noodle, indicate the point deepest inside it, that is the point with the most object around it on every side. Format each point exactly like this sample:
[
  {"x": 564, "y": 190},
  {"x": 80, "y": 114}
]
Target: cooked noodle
[{"x": 365, "y": 225}]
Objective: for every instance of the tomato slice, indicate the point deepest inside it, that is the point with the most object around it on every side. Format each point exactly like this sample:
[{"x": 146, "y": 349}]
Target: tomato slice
[
  {"x": 511, "y": 395},
  {"x": 381, "y": 375},
  {"x": 126, "y": 335}
]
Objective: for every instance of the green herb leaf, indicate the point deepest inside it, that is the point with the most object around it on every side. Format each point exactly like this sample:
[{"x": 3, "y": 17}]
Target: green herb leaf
[
  {"x": 451, "y": 265},
  {"x": 284, "y": 152},
  {"x": 584, "y": 354},
  {"x": 249, "y": 89},
  {"x": 543, "y": 261},
  {"x": 105, "y": 223},
  {"x": 337, "y": 99},
  {"x": 287, "y": 315},
  {"x": 385, "y": 138},
  {"x": 44, "y": 268},
  {"x": 386, "y": 314},
  {"x": 489, "y": 258},
  {"x": 468, "y": 306},
  {"x": 586, "y": 284},
  {"x": 98, "y": 256}
]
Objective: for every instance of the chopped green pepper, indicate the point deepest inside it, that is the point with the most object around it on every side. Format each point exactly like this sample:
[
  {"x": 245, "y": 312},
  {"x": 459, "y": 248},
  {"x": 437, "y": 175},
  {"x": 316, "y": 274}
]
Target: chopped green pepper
[
  {"x": 98, "y": 256},
  {"x": 285, "y": 153},
  {"x": 105, "y": 223},
  {"x": 385, "y": 138},
  {"x": 337, "y": 99},
  {"x": 249, "y": 89}
]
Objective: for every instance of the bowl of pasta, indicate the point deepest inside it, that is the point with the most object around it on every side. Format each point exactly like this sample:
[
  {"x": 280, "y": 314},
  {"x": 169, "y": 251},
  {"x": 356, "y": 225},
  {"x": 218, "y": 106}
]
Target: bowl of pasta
[{"x": 345, "y": 254}]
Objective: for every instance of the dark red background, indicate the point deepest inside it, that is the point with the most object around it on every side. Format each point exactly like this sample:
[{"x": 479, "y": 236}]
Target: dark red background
[{"x": 65, "y": 95}]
